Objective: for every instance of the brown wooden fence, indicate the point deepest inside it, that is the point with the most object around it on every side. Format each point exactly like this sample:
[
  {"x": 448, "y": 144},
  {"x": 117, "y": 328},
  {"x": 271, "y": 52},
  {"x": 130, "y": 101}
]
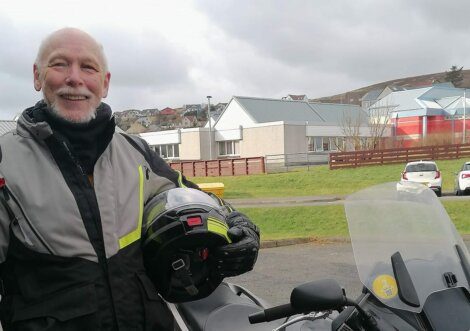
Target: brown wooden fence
[
  {"x": 225, "y": 167},
  {"x": 397, "y": 155}
]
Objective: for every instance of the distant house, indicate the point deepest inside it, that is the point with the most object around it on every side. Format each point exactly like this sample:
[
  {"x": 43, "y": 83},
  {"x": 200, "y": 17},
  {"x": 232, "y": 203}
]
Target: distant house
[
  {"x": 369, "y": 98},
  {"x": 297, "y": 97},
  {"x": 149, "y": 112},
  {"x": 193, "y": 108},
  {"x": 168, "y": 111},
  {"x": 144, "y": 121},
  {"x": 189, "y": 121}
]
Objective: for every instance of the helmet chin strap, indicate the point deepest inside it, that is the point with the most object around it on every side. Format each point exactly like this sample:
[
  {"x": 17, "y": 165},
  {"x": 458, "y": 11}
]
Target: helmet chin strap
[{"x": 182, "y": 273}]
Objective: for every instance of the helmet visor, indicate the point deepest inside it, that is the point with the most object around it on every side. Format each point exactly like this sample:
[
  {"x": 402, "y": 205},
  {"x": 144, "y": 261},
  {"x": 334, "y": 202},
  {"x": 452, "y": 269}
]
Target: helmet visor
[{"x": 175, "y": 198}]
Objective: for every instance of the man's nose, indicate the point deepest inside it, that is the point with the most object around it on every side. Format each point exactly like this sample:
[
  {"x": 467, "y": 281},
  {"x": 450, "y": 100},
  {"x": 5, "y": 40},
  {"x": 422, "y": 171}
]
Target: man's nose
[{"x": 74, "y": 77}]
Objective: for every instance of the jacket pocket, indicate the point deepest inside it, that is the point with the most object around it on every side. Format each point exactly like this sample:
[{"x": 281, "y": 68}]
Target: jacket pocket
[
  {"x": 157, "y": 315},
  {"x": 68, "y": 310}
]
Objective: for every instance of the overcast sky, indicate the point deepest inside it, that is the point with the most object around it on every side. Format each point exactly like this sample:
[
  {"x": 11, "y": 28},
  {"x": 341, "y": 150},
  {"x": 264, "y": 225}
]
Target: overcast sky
[{"x": 170, "y": 53}]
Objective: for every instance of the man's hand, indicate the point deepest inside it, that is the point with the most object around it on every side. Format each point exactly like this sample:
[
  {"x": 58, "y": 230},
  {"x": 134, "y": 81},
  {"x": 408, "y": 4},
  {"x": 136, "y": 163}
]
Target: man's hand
[{"x": 239, "y": 256}]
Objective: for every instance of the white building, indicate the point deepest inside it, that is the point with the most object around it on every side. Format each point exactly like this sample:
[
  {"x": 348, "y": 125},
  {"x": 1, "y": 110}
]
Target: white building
[{"x": 253, "y": 127}]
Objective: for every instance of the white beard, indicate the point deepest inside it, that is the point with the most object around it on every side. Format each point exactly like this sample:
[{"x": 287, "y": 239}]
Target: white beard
[{"x": 90, "y": 115}]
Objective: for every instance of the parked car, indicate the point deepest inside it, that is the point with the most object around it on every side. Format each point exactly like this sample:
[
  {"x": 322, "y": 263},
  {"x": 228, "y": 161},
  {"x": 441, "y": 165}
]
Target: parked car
[
  {"x": 462, "y": 180},
  {"x": 424, "y": 172}
]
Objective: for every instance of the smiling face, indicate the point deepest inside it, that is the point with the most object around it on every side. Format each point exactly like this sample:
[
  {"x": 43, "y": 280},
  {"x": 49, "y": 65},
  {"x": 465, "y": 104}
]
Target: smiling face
[{"x": 71, "y": 72}]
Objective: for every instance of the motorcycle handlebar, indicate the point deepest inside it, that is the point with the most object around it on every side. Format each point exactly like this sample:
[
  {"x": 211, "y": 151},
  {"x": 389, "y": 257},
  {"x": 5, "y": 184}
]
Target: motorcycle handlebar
[{"x": 272, "y": 314}]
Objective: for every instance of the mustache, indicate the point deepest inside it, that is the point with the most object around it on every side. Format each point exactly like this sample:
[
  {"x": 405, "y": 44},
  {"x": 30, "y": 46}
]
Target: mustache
[{"x": 74, "y": 91}]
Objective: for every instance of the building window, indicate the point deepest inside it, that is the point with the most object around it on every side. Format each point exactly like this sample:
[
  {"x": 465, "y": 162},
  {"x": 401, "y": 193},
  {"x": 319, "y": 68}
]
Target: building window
[
  {"x": 230, "y": 147},
  {"x": 325, "y": 144},
  {"x": 171, "y": 151}
]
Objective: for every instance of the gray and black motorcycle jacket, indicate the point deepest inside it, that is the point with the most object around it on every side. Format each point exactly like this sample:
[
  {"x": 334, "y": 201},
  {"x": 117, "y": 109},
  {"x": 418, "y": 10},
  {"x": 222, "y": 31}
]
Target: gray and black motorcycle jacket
[{"x": 70, "y": 255}]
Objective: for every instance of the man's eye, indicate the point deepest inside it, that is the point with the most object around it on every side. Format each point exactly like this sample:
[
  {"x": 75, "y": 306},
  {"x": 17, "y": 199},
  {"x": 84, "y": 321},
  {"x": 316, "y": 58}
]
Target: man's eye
[
  {"x": 58, "y": 64},
  {"x": 90, "y": 68}
]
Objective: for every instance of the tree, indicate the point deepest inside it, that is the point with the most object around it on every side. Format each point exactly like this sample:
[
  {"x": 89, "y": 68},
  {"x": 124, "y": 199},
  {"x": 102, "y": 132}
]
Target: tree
[
  {"x": 454, "y": 75},
  {"x": 364, "y": 132}
]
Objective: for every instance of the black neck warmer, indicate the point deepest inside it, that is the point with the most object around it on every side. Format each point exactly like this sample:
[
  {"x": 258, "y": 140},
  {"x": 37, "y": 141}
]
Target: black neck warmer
[{"x": 87, "y": 141}]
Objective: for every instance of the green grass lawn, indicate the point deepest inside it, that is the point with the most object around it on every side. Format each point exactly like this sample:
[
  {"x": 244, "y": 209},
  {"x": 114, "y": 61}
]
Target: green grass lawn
[
  {"x": 327, "y": 221},
  {"x": 320, "y": 180},
  {"x": 324, "y": 221}
]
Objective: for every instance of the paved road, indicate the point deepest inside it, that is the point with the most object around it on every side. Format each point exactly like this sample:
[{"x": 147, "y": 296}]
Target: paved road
[
  {"x": 319, "y": 200},
  {"x": 280, "y": 269}
]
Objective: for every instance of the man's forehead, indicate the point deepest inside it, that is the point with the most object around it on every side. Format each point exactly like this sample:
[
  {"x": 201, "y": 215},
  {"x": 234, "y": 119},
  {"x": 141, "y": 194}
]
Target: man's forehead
[{"x": 71, "y": 42}]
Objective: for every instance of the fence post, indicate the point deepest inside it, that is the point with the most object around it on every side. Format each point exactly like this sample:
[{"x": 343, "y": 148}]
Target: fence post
[
  {"x": 246, "y": 166},
  {"x": 263, "y": 165},
  {"x": 233, "y": 166},
  {"x": 207, "y": 170},
  {"x": 220, "y": 168}
]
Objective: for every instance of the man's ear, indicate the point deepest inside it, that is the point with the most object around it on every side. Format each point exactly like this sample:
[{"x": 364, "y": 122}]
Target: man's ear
[
  {"x": 37, "y": 81},
  {"x": 107, "y": 78}
]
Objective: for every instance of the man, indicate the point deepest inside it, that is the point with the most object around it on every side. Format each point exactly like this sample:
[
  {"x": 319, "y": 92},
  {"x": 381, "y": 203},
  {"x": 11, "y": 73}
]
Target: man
[{"x": 72, "y": 192}]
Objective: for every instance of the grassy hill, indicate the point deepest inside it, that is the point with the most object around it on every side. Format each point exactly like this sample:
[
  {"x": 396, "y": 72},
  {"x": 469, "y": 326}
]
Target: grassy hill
[{"x": 355, "y": 96}]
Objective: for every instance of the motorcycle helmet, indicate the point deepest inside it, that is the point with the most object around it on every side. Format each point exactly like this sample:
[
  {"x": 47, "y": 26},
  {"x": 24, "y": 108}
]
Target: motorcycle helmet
[{"x": 181, "y": 227}]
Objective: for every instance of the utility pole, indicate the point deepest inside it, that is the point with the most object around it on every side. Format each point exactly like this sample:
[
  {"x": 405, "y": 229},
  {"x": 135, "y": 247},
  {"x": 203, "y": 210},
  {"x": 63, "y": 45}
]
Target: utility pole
[
  {"x": 464, "y": 138},
  {"x": 210, "y": 125}
]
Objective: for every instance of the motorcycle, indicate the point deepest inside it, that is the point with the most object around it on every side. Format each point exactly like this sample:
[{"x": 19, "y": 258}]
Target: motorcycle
[{"x": 413, "y": 265}]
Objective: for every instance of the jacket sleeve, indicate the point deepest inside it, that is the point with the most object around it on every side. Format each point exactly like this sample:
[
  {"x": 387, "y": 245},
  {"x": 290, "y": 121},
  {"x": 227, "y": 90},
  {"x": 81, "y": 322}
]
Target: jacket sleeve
[{"x": 4, "y": 234}]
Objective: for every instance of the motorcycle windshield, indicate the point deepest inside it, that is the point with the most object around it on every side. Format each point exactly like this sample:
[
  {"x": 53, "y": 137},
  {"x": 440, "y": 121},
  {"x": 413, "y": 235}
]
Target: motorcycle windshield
[{"x": 407, "y": 219}]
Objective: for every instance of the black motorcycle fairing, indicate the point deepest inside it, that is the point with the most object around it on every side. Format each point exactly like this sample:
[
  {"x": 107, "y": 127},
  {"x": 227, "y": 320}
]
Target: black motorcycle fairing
[
  {"x": 223, "y": 310},
  {"x": 448, "y": 310}
]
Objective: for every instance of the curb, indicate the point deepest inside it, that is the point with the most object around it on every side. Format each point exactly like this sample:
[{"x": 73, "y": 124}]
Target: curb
[
  {"x": 296, "y": 200},
  {"x": 296, "y": 241},
  {"x": 327, "y": 240}
]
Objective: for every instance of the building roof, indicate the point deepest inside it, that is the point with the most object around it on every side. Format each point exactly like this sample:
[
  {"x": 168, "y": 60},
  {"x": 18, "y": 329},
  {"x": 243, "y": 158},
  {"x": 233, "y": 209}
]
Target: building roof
[
  {"x": 271, "y": 110},
  {"x": 371, "y": 95},
  {"x": 439, "y": 99},
  {"x": 336, "y": 113},
  {"x": 402, "y": 100},
  {"x": 7, "y": 126},
  {"x": 167, "y": 111},
  {"x": 297, "y": 97}
]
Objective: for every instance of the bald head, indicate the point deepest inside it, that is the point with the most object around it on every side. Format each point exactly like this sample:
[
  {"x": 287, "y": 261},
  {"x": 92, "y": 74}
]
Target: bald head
[
  {"x": 50, "y": 42},
  {"x": 71, "y": 72}
]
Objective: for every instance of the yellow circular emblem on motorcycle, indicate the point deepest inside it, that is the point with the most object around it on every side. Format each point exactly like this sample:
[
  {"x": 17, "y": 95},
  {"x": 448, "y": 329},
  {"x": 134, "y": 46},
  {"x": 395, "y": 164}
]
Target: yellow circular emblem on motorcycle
[{"x": 385, "y": 287}]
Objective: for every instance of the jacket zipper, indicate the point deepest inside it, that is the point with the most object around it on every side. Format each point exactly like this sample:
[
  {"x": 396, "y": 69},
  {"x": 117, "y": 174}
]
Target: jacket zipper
[
  {"x": 83, "y": 178},
  {"x": 7, "y": 194}
]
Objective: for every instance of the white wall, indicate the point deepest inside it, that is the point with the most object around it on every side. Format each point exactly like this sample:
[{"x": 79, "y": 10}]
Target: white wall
[
  {"x": 233, "y": 117},
  {"x": 229, "y": 134},
  {"x": 162, "y": 137}
]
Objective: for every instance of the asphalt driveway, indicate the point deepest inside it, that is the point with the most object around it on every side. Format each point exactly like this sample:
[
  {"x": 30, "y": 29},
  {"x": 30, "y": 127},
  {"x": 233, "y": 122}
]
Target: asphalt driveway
[{"x": 278, "y": 270}]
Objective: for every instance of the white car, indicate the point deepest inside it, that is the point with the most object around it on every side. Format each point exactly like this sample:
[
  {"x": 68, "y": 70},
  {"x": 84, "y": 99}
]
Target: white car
[
  {"x": 424, "y": 172},
  {"x": 462, "y": 180}
]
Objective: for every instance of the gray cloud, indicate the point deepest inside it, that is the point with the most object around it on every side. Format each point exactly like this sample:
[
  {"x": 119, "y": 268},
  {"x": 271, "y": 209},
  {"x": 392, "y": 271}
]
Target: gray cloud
[
  {"x": 365, "y": 40},
  {"x": 264, "y": 48},
  {"x": 146, "y": 59}
]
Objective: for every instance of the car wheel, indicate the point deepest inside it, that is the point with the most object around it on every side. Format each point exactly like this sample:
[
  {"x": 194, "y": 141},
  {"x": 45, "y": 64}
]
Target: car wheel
[{"x": 439, "y": 192}]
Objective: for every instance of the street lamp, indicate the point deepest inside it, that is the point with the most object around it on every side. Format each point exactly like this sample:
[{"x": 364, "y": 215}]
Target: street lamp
[{"x": 210, "y": 125}]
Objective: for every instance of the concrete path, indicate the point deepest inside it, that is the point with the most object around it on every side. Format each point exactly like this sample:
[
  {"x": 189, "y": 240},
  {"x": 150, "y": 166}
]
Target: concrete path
[{"x": 313, "y": 200}]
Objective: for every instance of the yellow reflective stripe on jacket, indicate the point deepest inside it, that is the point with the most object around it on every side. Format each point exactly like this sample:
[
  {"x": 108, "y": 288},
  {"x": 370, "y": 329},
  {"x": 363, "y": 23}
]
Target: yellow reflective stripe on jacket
[
  {"x": 135, "y": 234},
  {"x": 219, "y": 227},
  {"x": 180, "y": 179}
]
